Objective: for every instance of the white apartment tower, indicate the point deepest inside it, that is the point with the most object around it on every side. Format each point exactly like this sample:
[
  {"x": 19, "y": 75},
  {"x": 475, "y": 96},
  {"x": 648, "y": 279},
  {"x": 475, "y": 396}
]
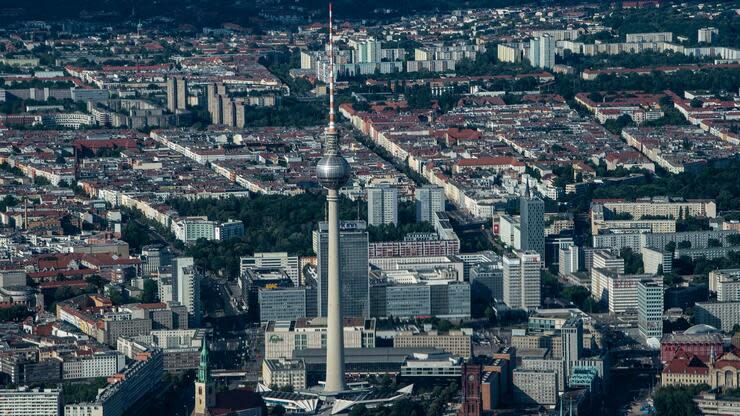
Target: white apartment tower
[
  {"x": 186, "y": 287},
  {"x": 522, "y": 280},
  {"x": 532, "y": 223},
  {"x": 568, "y": 259},
  {"x": 177, "y": 94},
  {"x": 650, "y": 308},
  {"x": 542, "y": 51},
  {"x": 382, "y": 205},
  {"x": 429, "y": 199}
]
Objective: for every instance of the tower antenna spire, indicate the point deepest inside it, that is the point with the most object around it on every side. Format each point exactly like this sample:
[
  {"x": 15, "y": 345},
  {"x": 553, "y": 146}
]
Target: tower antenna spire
[{"x": 332, "y": 128}]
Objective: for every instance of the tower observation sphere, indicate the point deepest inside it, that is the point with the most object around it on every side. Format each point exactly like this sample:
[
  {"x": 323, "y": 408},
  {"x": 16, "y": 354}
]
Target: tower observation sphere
[{"x": 333, "y": 171}]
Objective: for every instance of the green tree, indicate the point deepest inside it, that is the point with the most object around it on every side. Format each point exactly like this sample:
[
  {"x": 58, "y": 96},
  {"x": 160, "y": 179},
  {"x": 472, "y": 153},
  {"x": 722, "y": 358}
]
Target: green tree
[
  {"x": 684, "y": 244},
  {"x": 713, "y": 242},
  {"x": 65, "y": 292},
  {"x": 632, "y": 261},
  {"x": 678, "y": 400},
  {"x": 149, "y": 294},
  {"x": 96, "y": 281},
  {"x": 135, "y": 235},
  {"x": 577, "y": 294},
  {"x": 80, "y": 392},
  {"x": 444, "y": 325},
  {"x": 419, "y": 97},
  {"x": 14, "y": 313},
  {"x": 118, "y": 298},
  {"x": 733, "y": 239}
]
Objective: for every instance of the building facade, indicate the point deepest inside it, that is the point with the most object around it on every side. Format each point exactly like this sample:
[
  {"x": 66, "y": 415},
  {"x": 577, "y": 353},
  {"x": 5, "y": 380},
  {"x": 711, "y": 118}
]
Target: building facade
[
  {"x": 353, "y": 266},
  {"x": 532, "y": 224},
  {"x": 453, "y": 342},
  {"x": 102, "y": 364},
  {"x": 186, "y": 287},
  {"x": 31, "y": 402},
  {"x": 382, "y": 205},
  {"x": 522, "y": 280},
  {"x": 535, "y": 387},
  {"x": 650, "y": 308},
  {"x": 721, "y": 315},
  {"x": 429, "y": 200},
  {"x": 282, "y": 338},
  {"x": 283, "y": 373}
]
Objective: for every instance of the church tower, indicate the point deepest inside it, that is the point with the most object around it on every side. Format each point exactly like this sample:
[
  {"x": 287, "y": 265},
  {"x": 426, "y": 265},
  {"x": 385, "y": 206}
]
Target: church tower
[{"x": 205, "y": 394}]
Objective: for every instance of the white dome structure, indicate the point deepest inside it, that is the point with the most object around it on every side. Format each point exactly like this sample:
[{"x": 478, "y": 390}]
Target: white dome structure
[{"x": 701, "y": 329}]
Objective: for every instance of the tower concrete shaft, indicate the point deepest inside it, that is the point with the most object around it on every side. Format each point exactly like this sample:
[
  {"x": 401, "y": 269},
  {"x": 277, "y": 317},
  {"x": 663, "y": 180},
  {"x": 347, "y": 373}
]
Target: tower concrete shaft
[{"x": 334, "y": 321}]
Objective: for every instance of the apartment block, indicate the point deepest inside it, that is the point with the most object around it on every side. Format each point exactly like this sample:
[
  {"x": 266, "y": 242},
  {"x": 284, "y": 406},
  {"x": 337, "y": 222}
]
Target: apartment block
[
  {"x": 453, "y": 342},
  {"x": 535, "y": 387},
  {"x": 31, "y": 402}
]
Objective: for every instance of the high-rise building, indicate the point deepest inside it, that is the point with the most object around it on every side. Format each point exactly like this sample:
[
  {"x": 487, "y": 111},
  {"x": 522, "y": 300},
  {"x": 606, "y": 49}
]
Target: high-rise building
[
  {"x": 177, "y": 94},
  {"x": 571, "y": 334},
  {"x": 205, "y": 390},
  {"x": 522, "y": 280},
  {"x": 153, "y": 257},
  {"x": 535, "y": 387},
  {"x": 721, "y": 315},
  {"x": 603, "y": 260},
  {"x": 353, "y": 266},
  {"x": 284, "y": 373},
  {"x": 726, "y": 284},
  {"x": 228, "y": 230},
  {"x": 534, "y": 52},
  {"x": 707, "y": 34},
  {"x": 542, "y": 51},
  {"x": 368, "y": 51},
  {"x": 283, "y": 304},
  {"x": 547, "y": 51},
  {"x": 568, "y": 260},
  {"x": 487, "y": 282},
  {"x": 532, "y": 223},
  {"x": 31, "y": 402},
  {"x": 138, "y": 380},
  {"x": 281, "y": 260},
  {"x": 558, "y": 365},
  {"x": 214, "y": 102},
  {"x": 228, "y": 111},
  {"x": 186, "y": 287},
  {"x": 650, "y": 308},
  {"x": 412, "y": 296},
  {"x": 429, "y": 199},
  {"x": 382, "y": 205}
]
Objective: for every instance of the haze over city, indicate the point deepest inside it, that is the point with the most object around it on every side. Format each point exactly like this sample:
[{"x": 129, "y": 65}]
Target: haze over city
[{"x": 369, "y": 208}]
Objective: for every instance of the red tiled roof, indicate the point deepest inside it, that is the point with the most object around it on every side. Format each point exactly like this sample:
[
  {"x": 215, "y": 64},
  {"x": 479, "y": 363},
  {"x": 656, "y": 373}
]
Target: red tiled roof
[
  {"x": 464, "y": 134},
  {"x": 61, "y": 283},
  {"x": 490, "y": 161},
  {"x": 682, "y": 365}
]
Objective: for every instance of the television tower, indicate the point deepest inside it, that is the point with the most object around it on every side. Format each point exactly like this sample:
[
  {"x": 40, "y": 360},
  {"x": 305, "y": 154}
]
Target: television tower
[{"x": 333, "y": 172}]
